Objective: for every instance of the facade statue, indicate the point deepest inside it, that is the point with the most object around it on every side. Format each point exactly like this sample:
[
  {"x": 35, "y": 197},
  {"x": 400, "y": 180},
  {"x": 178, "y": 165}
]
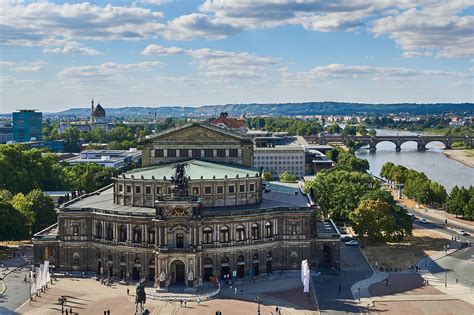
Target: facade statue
[
  {"x": 162, "y": 276},
  {"x": 179, "y": 178},
  {"x": 190, "y": 275}
]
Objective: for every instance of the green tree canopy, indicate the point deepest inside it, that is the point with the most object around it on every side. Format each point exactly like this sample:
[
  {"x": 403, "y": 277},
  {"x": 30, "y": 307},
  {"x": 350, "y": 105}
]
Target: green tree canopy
[{"x": 287, "y": 177}]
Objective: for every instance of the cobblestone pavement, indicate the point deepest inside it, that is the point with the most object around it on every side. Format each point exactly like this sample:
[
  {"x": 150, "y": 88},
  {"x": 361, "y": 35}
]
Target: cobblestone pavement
[{"x": 354, "y": 268}]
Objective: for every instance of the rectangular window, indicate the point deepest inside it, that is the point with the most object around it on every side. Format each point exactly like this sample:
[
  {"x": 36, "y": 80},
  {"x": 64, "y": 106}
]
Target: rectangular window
[
  {"x": 220, "y": 189},
  {"x": 208, "y": 190},
  {"x": 233, "y": 152},
  {"x": 129, "y": 188},
  {"x": 242, "y": 188},
  {"x": 252, "y": 187},
  {"x": 208, "y": 152},
  {"x": 220, "y": 152},
  {"x": 196, "y": 153},
  {"x": 171, "y": 152},
  {"x": 183, "y": 152},
  {"x": 137, "y": 189},
  {"x": 195, "y": 190},
  {"x": 159, "y": 153},
  {"x": 120, "y": 188},
  {"x": 148, "y": 190},
  {"x": 231, "y": 189}
]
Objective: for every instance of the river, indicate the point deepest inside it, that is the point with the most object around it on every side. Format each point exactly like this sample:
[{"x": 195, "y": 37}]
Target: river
[{"x": 432, "y": 162}]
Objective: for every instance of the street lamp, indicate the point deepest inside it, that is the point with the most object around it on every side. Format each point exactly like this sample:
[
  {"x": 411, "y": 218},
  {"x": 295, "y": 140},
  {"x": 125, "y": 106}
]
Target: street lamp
[
  {"x": 61, "y": 301},
  {"x": 258, "y": 300}
]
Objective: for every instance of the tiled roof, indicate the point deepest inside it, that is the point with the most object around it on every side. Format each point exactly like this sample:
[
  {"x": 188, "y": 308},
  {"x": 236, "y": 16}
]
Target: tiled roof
[{"x": 235, "y": 123}]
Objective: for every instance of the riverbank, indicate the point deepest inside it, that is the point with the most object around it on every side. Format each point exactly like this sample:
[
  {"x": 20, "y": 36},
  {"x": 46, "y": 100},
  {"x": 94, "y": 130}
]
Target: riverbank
[{"x": 465, "y": 157}]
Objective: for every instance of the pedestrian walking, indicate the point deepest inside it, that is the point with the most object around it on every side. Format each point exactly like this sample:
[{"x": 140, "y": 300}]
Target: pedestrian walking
[
  {"x": 108, "y": 312},
  {"x": 181, "y": 303},
  {"x": 128, "y": 291},
  {"x": 185, "y": 301},
  {"x": 70, "y": 311},
  {"x": 67, "y": 311},
  {"x": 386, "y": 282}
]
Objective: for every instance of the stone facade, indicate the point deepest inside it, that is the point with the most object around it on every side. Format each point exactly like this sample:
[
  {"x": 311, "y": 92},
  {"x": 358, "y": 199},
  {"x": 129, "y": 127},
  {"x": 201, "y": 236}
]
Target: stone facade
[{"x": 178, "y": 235}]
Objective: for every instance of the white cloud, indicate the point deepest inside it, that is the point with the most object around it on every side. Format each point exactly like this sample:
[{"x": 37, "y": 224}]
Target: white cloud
[
  {"x": 106, "y": 70},
  {"x": 48, "y": 24},
  {"x": 236, "y": 65},
  {"x": 160, "y": 50},
  {"x": 196, "y": 25},
  {"x": 72, "y": 47},
  {"x": 4, "y": 63},
  {"x": 34, "y": 66},
  {"x": 438, "y": 26},
  {"x": 341, "y": 71},
  {"x": 414, "y": 54}
]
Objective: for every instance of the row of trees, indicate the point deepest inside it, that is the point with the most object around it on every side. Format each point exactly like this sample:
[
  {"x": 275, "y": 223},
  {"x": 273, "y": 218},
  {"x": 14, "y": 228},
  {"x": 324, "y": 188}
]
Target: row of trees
[
  {"x": 23, "y": 170},
  {"x": 347, "y": 192},
  {"x": 23, "y": 215},
  {"x": 417, "y": 185},
  {"x": 291, "y": 125},
  {"x": 461, "y": 202}
]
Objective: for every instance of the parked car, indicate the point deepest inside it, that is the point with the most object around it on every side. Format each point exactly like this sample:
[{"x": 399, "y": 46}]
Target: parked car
[
  {"x": 463, "y": 233},
  {"x": 352, "y": 243},
  {"x": 346, "y": 238},
  {"x": 424, "y": 221}
]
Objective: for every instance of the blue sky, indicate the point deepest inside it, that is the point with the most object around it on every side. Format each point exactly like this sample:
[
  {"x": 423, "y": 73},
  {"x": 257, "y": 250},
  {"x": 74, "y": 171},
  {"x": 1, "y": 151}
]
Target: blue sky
[{"x": 56, "y": 55}]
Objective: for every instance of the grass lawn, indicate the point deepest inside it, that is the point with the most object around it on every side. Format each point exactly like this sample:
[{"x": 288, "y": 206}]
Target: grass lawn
[{"x": 405, "y": 253}]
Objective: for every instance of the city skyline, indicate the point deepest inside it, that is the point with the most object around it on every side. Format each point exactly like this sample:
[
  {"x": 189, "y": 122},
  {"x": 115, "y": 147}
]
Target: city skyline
[{"x": 58, "y": 55}]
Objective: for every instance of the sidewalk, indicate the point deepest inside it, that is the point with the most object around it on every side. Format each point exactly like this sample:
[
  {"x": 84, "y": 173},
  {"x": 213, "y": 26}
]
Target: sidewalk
[{"x": 365, "y": 285}]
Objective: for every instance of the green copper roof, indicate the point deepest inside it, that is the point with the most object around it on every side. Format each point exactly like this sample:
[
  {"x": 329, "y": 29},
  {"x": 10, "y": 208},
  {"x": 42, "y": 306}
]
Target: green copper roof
[{"x": 194, "y": 169}]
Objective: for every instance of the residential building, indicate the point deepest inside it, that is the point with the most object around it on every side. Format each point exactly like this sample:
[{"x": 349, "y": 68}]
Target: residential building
[{"x": 235, "y": 124}]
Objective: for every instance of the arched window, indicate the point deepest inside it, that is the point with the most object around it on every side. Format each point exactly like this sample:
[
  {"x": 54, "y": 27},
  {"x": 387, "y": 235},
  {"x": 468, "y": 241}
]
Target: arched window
[
  {"x": 152, "y": 235},
  {"x": 98, "y": 230},
  {"x": 240, "y": 233},
  {"x": 224, "y": 234},
  {"x": 255, "y": 231},
  {"x": 75, "y": 258},
  {"x": 137, "y": 234},
  {"x": 123, "y": 233},
  {"x": 110, "y": 232},
  {"x": 268, "y": 229},
  {"x": 207, "y": 235}
]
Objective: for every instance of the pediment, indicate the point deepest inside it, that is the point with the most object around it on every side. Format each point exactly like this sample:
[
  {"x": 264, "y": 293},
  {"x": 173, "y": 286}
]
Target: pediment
[{"x": 195, "y": 133}]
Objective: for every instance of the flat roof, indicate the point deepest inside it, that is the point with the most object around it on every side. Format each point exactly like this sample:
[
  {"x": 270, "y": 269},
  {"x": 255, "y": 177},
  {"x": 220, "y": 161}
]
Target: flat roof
[{"x": 195, "y": 169}]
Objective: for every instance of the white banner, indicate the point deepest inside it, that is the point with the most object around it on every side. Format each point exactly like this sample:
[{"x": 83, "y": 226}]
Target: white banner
[
  {"x": 306, "y": 275},
  {"x": 38, "y": 278},
  {"x": 33, "y": 283},
  {"x": 46, "y": 272},
  {"x": 304, "y": 263}
]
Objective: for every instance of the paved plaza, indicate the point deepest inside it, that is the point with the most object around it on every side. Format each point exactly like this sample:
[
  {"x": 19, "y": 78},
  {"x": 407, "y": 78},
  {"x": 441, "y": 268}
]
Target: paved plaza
[{"x": 88, "y": 296}]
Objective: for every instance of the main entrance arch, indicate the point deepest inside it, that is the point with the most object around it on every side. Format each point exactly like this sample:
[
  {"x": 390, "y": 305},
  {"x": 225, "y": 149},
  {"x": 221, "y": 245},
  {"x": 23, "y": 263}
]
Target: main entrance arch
[{"x": 177, "y": 268}]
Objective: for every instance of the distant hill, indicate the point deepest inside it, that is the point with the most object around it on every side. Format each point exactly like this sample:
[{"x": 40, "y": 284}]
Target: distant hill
[{"x": 285, "y": 109}]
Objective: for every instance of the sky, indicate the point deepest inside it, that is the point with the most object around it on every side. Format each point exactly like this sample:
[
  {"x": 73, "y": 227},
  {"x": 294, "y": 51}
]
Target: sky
[{"x": 56, "y": 55}]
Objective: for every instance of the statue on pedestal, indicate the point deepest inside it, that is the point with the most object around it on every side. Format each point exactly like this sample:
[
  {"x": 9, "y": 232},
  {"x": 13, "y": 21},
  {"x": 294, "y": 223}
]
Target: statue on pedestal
[{"x": 140, "y": 297}]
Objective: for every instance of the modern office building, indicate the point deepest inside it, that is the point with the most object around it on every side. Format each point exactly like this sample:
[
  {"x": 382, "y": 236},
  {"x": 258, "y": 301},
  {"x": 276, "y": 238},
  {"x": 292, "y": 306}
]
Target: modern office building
[
  {"x": 108, "y": 158},
  {"x": 185, "y": 219},
  {"x": 27, "y": 125},
  {"x": 6, "y": 134}
]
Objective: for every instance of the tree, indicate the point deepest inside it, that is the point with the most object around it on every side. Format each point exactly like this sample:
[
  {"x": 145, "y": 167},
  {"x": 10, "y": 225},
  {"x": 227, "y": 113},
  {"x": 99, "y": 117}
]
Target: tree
[
  {"x": 351, "y": 162},
  {"x": 25, "y": 207},
  {"x": 457, "y": 200},
  {"x": 287, "y": 177},
  {"x": 71, "y": 138},
  {"x": 267, "y": 176},
  {"x": 43, "y": 208},
  {"x": 11, "y": 222},
  {"x": 333, "y": 129},
  {"x": 89, "y": 177},
  {"x": 349, "y": 130}
]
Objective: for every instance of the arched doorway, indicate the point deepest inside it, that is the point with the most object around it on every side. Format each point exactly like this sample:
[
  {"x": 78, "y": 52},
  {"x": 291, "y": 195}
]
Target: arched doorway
[
  {"x": 325, "y": 257},
  {"x": 99, "y": 267},
  {"x": 269, "y": 262},
  {"x": 255, "y": 263},
  {"x": 136, "y": 269},
  {"x": 225, "y": 270},
  {"x": 207, "y": 268},
  {"x": 177, "y": 268},
  {"x": 241, "y": 266}
]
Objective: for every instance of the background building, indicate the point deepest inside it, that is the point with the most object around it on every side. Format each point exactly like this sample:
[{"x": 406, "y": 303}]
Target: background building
[
  {"x": 27, "y": 125},
  {"x": 108, "y": 158}
]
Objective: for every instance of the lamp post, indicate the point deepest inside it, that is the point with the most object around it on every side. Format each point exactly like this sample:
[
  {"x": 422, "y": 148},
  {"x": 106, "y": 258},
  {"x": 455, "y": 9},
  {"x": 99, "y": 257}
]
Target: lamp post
[{"x": 258, "y": 300}]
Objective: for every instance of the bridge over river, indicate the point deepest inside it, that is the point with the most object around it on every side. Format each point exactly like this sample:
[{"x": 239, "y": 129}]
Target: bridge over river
[{"x": 372, "y": 141}]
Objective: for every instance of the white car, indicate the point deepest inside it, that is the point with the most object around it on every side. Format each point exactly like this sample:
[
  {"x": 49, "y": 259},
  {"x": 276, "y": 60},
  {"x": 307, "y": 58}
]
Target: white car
[
  {"x": 463, "y": 233},
  {"x": 424, "y": 221},
  {"x": 352, "y": 243}
]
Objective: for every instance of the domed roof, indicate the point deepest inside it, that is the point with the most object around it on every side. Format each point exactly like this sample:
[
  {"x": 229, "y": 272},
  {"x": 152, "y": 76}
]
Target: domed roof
[{"x": 99, "y": 111}]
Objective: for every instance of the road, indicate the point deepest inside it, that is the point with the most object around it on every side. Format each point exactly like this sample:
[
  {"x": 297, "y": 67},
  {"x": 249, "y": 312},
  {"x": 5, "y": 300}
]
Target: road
[{"x": 459, "y": 266}]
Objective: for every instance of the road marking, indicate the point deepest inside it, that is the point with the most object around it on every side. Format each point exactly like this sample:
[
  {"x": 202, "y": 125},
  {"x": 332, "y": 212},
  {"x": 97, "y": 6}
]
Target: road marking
[{"x": 22, "y": 305}]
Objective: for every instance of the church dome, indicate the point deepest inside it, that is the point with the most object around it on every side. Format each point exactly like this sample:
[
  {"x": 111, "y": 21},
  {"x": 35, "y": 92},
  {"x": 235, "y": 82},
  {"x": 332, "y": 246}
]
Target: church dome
[{"x": 99, "y": 111}]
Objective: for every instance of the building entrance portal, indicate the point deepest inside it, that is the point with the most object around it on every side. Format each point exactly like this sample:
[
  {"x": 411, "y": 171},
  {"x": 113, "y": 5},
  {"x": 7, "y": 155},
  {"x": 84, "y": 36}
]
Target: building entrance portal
[{"x": 178, "y": 271}]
